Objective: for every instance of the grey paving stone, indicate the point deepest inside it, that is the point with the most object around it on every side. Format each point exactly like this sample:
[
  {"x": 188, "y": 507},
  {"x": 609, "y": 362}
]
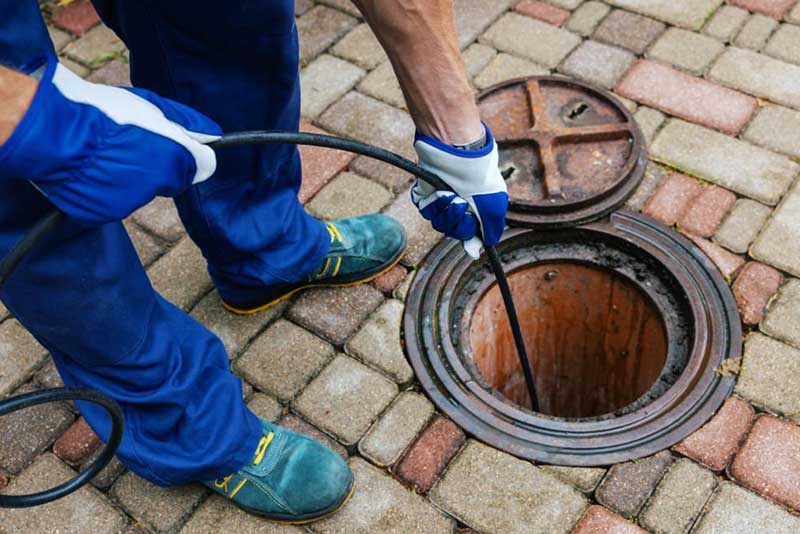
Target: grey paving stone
[
  {"x": 477, "y": 489},
  {"x": 60, "y": 38},
  {"x": 598, "y": 63},
  {"x": 28, "y": 432},
  {"x": 586, "y": 18},
  {"x": 474, "y": 16},
  {"x": 649, "y": 120},
  {"x": 381, "y": 504},
  {"x": 394, "y": 179},
  {"x": 734, "y": 510},
  {"x": 324, "y": 81},
  {"x": 348, "y": 195},
  {"x": 691, "y": 14},
  {"x": 95, "y": 47},
  {"x": 382, "y": 84},
  {"x": 770, "y": 376},
  {"x": 319, "y": 28},
  {"x": 785, "y": 43},
  {"x": 20, "y": 355},
  {"x": 147, "y": 247},
  {"x": 628, "y": 30},
  {"x": 218, "y": 515},
  {"x": 283, "y": 359},
  {"x": 782, "y": 320},
  {"x": 74, "y": 66},
  {"x": 368, "y": 119},
  {"x": 779, "y": 242},
  {"x": 726, "y": 23},
  {"x": 235, "y": 331},
  {"x": 777, "y": 128},
  {"x": 342, "y": 5},
  {"x": 687, "y": 50},
  {"x": 746, "y": 169},
  {"x": 401, "y": 292},
  {"x": 47, "y": 376},
  {"x": 396, "y": 429},
  {"x": 109, "y": 474},
  {"x": 116, "y": 72},
  {"x": 505, "y": 67},
  {"x": 476, "y": 57},
  {"x": 755, "y": 32},
  {"x": 531, "y": 39},
  {"x": 566, "y": 4},
  {"x": 86, "y": 510},
  {"x": 265, "y": 407},
  {"x": 161, "y": 218},
  {"x": 653, "y": 175},
  {"x": 180, "y": 275},
  {"x": 759, "y": 75},
  {"x": 585, "y": 479},
  {"x": 335, "y": 313},
  {"x": 361, "y": 47},
  {"x": 345, "y": 399},
  {"x": 742, "y": 225},
  {"x": 420, "y": 235},
  {"x": 794, "y": 15},
  {"x": 627, "y": 486},
  {"x": 679, "y": 499},
  {"x": 378, "y": 342},
  {"x": 159, "y": 509}
]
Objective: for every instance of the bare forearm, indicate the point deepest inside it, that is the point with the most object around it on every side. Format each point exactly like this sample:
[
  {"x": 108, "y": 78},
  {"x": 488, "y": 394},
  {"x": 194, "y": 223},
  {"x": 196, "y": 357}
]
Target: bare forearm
[
  {"x": 16, "y": 93},
  {"x": 420, "y": 39}
]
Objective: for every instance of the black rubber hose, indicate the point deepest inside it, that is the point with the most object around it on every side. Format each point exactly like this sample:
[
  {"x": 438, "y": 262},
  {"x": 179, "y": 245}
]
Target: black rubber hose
[{"x": 349, "y": 145}]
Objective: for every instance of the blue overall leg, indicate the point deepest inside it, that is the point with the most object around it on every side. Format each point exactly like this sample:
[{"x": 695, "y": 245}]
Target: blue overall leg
[
  {"x": 85, "y": 296},
  {"x": 237, "y": 62}
]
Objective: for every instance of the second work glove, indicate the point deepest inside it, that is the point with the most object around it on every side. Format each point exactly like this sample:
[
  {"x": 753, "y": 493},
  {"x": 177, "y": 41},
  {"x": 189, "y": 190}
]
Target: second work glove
[
  {"x": 99, "y": 152},
  {"x": 478, "y": 205}
]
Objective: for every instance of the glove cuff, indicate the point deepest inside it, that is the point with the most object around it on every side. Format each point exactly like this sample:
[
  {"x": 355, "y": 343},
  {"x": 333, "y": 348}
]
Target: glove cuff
[{"x": 458, "y": 151}]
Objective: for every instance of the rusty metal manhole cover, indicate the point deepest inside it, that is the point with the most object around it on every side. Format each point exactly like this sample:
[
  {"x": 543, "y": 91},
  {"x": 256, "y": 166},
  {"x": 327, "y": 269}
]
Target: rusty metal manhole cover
[{"x": 576, "y": 152}]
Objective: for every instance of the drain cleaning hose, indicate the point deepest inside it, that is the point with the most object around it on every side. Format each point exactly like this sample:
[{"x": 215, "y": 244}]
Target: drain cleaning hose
[{"x": 45, "y": 225}]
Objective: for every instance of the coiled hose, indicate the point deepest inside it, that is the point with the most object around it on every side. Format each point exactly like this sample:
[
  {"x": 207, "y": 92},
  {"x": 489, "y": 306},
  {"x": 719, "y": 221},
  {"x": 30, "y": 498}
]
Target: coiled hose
[{"x": 43, "y": 227}]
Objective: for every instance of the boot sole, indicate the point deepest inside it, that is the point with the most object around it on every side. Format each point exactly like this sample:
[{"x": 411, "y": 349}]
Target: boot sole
[
  {"x": 365, "y": 280},
  {"x": 304, "y": 520}
]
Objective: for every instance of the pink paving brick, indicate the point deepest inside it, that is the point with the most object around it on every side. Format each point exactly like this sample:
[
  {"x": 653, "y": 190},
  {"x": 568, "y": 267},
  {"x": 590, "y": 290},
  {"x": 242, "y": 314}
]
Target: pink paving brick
[
  {"x": 672, "y": 198},
  {"x": 320, "y": 165},
  {"x": 687, "y": 97},
  {"x": 424, "y": 461},
  {"x": 3, "y": 481},
  {"x": 716, "y": 441},
  {"x": 599, "y": 520},
  {"x": 728, "y": 263},
  {"x": 545, "y": 12},
  {"x": 76, "y": 17},
  {"x": 389, "y": 281},
  {"x": 77, "y": 443},
  {"x": 753, "y": 289},
  {"x": 706, "y": 211},
  {"x": 772, "y": 8},
  {"x": 768, "y": 461}
]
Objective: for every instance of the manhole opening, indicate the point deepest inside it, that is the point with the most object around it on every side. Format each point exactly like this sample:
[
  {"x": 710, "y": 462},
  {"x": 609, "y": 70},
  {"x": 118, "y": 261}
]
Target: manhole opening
[{"x": 597, "y": 342}]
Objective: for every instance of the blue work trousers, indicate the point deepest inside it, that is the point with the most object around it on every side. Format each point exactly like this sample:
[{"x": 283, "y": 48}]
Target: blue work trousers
[{"x": 84, "y": 294}]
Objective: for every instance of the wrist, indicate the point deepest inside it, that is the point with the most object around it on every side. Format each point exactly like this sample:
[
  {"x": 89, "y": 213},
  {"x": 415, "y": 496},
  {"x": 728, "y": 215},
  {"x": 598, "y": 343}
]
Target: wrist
[{"x": 16, "y": 94}]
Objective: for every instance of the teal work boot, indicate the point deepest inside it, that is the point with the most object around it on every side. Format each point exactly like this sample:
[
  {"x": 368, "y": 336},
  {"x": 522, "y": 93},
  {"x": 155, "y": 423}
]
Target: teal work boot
[
  {"x": 362, "y": 249},
  {"x": 291, "y": 479}
]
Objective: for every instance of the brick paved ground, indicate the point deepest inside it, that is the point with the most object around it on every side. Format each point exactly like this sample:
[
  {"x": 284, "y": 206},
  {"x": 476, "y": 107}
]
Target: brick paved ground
[{"x": 716, "y": 88}]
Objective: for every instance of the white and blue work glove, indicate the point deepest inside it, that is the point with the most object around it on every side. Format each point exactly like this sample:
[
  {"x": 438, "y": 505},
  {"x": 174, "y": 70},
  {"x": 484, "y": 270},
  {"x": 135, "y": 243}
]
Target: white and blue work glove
[
  {"x": 99, "y": 152},
  {"x": 478, "y": 206}
]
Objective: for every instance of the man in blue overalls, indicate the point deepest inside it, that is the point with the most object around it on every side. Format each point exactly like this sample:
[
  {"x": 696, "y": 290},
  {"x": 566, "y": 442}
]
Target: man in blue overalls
[{"x": 98, "y": 153}]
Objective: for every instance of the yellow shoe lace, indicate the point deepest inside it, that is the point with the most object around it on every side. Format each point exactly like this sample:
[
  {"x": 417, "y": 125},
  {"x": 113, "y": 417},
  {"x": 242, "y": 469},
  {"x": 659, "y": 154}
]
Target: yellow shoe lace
[
  {"x": 259, "y": 455},
  {"x": 337, "y": 262}
]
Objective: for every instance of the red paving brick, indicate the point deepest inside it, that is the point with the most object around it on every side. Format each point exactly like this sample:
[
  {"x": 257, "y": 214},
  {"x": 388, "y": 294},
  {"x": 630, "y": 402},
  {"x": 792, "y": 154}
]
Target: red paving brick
[
  {"x": 599, "y": 520},
  {"x": 320, "y": 165},
  {"x": 77, "y": 443},
  {"x": 706, "y": 211},
  {"x": 672, "y": 198},
  {"x": 76, "y": 17},
  {"x": 728, "y": 263},
  {"x": 716, "y": 441},
  {"x": 389, "y": 281},
  {"x": 3, "y": 481},
  {"x": 687, "y": 97},
  {"x": 772, "y": 8},
  {"x": 754, "y": 286},
  {"x": 769, "y": 461},
  {"x": 545, "y": 12},
  {"x": 422, "y": 464}
]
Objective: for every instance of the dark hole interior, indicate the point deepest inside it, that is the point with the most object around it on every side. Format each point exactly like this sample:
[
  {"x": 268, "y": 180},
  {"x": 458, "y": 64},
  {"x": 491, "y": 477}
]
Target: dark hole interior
[{"x": 596, "y": 342}]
